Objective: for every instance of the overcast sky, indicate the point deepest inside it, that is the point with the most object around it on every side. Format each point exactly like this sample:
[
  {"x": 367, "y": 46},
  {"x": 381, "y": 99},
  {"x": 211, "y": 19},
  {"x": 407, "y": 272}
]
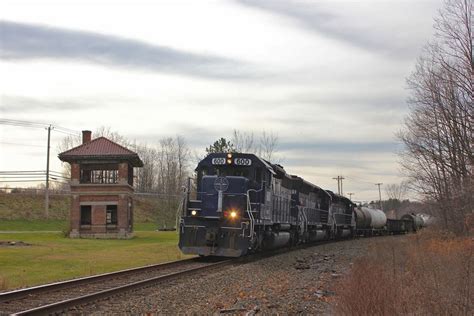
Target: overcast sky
[{"x": 327, "y": 76}]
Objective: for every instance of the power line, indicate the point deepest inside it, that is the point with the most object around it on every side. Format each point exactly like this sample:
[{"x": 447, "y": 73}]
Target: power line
[
  {"x": 32, "y": 172},
  {"x": 22, "y": 180},
  {"x": 22, "y": 177},
  {"x": 67, "y": 133},
  {"x": 30, "y": 124},
  {"x": 359, "y": 179},
  {"x": 22, "y": 123}
]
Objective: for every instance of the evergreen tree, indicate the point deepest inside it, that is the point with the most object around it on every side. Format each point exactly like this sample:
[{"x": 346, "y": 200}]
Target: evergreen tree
[{"x": 221, "y": 146}]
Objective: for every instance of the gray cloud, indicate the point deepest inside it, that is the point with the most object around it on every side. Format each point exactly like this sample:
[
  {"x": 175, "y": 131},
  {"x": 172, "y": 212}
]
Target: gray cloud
[
  {"x": 19, "y": 104},
  {"x": 195, "y": 135},
  {"x": 314, "y": 17},
  {"x": 340, "y": 147},
  {"x": 19, "y": 41}
]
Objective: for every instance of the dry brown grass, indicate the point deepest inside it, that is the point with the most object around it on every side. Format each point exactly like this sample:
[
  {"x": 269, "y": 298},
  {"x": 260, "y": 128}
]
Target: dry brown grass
[{"x": 430, "y": 273}]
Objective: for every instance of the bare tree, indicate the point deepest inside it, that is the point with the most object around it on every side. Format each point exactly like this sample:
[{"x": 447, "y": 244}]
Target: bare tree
[
  {"x": 146, "y": 176},
  {"x": 396, "y": 191},
  {"x": 243, "y": 142},
  {"x": 268, "y": 145},
  {"x": 106, "y": 131},
  {"x": 265, "y": 146},
  {"x": 438, "y": 132}
]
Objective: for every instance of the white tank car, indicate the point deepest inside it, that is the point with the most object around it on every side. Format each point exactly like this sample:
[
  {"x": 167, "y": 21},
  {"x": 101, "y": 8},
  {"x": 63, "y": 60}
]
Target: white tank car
[
  {"x": 428, "y": 220},
  {"x": 370, "y": 218}
]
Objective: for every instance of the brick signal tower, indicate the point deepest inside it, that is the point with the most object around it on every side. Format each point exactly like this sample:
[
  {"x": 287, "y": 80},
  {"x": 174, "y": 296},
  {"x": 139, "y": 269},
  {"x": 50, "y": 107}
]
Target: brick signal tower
[{"x": 101, "y": 188}]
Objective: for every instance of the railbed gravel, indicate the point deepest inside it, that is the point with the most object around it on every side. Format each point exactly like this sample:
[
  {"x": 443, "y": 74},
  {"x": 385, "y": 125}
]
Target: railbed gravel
[
  {"x": 43, "y": 298},
  {"x": 296, "y": 282}
]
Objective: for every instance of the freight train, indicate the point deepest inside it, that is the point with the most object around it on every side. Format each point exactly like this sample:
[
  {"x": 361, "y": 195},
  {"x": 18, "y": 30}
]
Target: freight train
[{"x": 241, "y": 203}]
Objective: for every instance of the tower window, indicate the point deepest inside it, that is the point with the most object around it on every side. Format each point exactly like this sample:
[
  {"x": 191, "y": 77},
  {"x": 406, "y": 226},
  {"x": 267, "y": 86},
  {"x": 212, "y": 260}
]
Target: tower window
[
  {"x": 111, "y": 215},
  {"x": 86, "y": 217}
]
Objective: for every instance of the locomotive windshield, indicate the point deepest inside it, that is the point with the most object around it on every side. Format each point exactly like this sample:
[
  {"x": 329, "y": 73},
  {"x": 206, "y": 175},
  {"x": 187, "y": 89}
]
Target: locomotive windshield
[{"x": 224, "y": 171}]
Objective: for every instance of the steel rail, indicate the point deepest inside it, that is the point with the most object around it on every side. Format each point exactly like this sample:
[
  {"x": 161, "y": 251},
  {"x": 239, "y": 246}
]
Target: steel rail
[
  {"x": 63, "y": 305},
  {"x": 92, "y": 297},
  {"x": 22, "y": 293}
]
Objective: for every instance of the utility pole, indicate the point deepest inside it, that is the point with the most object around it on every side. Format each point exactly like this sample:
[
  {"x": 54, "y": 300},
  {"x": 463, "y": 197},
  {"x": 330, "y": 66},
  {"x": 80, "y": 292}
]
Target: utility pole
[
  {"x": 46, "y": 191},
  {"x": 339, "y": 184},
  {"x": 380, "y": 195},
  {"x": 350, "y": 195},
  {"x": 342, "y": 191}
]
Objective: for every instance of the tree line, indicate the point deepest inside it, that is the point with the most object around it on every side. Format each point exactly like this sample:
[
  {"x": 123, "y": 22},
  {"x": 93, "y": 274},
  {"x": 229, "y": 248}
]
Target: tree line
[
  {"x": 168, "y": 163},
  {"x": 438, "y": 132}
]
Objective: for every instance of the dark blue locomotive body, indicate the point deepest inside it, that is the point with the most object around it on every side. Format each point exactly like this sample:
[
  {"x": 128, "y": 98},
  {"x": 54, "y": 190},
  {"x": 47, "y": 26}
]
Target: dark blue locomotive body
[{"x": 244, "y": 204}]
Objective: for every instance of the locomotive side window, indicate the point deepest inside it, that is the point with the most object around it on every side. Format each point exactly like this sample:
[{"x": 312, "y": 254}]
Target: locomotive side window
[{"x": 201, "y": 173}]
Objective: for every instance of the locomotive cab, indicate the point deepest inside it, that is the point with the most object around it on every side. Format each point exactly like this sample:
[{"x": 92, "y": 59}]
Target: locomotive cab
[{"x": 218, "y": 218}]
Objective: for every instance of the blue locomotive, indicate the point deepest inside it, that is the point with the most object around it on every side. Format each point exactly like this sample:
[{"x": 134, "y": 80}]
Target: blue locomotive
[{"x": 243, "y": 204}]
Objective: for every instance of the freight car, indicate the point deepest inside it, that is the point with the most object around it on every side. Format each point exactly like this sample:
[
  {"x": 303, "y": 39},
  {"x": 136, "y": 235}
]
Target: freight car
[
  {"x": 399, "y": 226},
  {"x": 370, "y": 221},
  {"x": 243, "y": 204},
  {"x": 417, "y": 221}
]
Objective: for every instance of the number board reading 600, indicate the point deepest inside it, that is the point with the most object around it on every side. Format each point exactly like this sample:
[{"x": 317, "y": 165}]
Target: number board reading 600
[
  {"x": 218, "y": 161},
  {"x": 242, "y": 161}
]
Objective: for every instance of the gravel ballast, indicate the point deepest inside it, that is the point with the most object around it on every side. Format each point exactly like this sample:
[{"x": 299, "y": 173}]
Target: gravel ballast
[{"x": 290, "y": 283}]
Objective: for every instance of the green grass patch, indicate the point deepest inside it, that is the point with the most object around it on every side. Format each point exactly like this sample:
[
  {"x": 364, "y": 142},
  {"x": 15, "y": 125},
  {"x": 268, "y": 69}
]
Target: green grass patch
[
  {"x": 145, "y": 227},
  {"x": 56, "y": 225},
  {"x": 52, "y": 257},
  {"x": 32, "y": 225}
]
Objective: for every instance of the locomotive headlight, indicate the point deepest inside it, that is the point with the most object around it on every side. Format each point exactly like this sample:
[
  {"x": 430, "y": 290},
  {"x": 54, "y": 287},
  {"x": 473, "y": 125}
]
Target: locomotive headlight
[
  {"x": 233, "y": 214},
  {"x": 229, "y": 156},
  {"x": 229, "y": 161},
  {"x": 193, "y": 213}
]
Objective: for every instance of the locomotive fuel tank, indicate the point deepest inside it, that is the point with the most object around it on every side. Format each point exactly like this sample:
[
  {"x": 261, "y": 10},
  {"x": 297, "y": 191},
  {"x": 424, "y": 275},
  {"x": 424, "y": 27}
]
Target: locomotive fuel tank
[
  {"x": 368, "y": 218},
  {"x": 276, "y": 240},
  {"x": 317, "y": 235},
  {"x": 344, "y": 233}
]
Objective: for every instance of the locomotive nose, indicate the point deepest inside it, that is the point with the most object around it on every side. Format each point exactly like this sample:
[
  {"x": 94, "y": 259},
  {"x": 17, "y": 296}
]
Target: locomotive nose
[{"x": 224, "y": 197}]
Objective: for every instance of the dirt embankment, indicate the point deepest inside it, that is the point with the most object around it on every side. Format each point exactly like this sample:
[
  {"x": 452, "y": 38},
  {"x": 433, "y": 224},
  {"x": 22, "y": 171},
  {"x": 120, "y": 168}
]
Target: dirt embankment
[{"x": 28, "y": 206}]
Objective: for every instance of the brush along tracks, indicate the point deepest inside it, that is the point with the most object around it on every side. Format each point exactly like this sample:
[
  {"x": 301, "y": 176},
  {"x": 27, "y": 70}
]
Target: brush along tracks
[{"x": 60, "y": 296}]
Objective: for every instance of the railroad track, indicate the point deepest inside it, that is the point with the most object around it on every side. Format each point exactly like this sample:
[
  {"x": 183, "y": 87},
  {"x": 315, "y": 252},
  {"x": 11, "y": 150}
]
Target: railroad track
[{"x": 60, "y": 296}]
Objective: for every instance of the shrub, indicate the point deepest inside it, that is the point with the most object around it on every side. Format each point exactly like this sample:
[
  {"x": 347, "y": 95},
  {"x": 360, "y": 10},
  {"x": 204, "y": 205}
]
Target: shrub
[{"x": 428, "y": 273}]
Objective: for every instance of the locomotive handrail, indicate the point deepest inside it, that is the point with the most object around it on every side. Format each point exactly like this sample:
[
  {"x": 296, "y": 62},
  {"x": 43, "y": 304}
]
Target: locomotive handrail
[
  {"x": 305, "y": 219},
  {"x": 250, "y": 211},
  {"x": 252, "y": 220}
]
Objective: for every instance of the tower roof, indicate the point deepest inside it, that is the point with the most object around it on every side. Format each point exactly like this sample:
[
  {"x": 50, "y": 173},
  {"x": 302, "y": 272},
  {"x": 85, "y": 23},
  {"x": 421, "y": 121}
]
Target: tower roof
[{"x": 101, "y": 148}]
